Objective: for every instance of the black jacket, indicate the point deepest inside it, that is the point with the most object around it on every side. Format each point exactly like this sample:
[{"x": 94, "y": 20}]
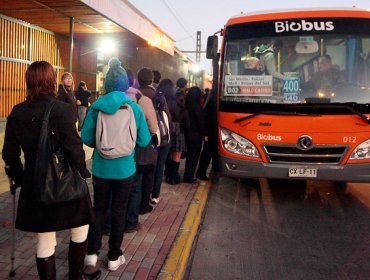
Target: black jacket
[
  {"x": 21, "y": 134},
  {"x": 83, "y": 96},
  {"x": 180, "y": 114},
  {"x": 68, "y": 97},
  {"x": 195, "y": 115}
]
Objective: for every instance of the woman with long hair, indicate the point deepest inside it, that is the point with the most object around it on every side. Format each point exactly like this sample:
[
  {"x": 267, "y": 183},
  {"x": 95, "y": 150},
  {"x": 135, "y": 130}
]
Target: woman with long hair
[
  {"x": 180, "y": 123},
  {"x": 164, "y": 99}
]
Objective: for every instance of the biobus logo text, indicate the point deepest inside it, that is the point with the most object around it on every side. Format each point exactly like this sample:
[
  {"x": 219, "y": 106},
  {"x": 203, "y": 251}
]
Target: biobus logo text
[
  {"x": 303, "y": 25},
  {"x": 261, "y": 136}
]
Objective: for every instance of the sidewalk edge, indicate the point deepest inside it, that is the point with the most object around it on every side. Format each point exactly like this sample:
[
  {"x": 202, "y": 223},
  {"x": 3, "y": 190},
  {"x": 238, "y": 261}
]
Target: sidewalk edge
[{"x": 175, "y": 264}]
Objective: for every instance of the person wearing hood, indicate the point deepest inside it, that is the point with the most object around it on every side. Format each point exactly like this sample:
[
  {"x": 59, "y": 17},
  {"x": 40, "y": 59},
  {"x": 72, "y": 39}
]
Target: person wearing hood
[
  {"x": 112, "y": 178},
  {"x": 194, "y": 135}
]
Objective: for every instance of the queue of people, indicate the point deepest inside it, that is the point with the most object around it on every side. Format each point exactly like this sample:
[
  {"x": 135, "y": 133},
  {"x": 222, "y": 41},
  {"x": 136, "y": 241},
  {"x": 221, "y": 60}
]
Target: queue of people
[{"x": 124, "y": 187}]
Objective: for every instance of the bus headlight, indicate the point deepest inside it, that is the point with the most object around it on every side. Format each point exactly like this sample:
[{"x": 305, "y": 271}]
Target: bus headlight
[
  {"x": 362, "y": 151},
  {"x": 237, "y": 144}
]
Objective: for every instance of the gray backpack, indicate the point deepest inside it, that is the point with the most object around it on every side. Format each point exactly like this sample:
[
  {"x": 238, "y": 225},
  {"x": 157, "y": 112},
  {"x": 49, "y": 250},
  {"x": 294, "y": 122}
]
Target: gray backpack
[{"x": 116, "y": 134}]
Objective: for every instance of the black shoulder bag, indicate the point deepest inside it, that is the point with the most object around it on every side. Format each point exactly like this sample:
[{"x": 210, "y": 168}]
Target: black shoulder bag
[{"x": 56, "y": 181}]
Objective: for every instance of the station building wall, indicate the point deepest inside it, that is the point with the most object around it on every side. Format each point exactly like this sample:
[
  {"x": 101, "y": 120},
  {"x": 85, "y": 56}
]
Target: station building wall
[{"x": 22, "y": 43}]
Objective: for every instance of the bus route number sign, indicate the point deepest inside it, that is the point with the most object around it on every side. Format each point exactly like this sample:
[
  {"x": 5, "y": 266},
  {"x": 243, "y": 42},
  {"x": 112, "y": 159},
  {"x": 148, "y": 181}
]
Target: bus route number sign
[
  {"x": 291, "y": 87},
  {"x": 233, "y": 90}
]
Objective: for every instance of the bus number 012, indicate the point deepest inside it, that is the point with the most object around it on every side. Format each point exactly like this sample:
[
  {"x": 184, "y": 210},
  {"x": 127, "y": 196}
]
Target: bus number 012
[{"x": 349, "y": 139}]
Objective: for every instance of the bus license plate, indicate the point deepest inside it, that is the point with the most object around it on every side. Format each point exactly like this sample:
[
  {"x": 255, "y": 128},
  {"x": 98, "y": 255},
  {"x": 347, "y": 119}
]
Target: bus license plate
[{"x": 303, "y": 172}]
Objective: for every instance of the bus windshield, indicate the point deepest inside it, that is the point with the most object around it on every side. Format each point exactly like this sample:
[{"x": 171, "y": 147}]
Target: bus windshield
[{"x": 294, "y": 70}]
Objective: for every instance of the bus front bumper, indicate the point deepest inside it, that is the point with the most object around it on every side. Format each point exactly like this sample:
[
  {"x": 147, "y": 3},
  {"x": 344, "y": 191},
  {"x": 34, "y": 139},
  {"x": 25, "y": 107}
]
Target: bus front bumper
[{"x": 238, "y": 168}]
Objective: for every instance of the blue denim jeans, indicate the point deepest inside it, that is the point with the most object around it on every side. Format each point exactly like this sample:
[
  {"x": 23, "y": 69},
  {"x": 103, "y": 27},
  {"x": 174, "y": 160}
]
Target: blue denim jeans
[{"x": 118, "y": 191}]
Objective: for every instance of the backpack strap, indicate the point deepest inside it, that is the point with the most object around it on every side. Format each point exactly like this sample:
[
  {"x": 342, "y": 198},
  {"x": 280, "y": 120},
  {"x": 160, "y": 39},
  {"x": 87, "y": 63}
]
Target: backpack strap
[
  {"x": 138, "y": 95},
  {"x": 159, "y": 101}
]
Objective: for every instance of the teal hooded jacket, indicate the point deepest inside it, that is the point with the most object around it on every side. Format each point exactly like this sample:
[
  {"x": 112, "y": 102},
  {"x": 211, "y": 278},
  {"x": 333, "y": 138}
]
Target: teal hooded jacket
[{"x": 118, "y": 168}]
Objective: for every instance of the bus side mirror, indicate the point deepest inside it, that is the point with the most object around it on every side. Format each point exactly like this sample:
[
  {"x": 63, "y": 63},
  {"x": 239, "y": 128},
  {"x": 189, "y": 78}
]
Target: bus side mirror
[{"x": 212, "y": 46}]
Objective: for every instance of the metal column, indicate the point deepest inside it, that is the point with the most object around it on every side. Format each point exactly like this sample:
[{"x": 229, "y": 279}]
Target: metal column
[
  {"x": 197, "y": 55},
  {"x": 71, "y": 26}
]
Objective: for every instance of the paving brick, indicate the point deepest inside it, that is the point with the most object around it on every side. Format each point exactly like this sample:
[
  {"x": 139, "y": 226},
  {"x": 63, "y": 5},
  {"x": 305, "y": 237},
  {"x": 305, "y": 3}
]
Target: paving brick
[
  {"x": 157, "y": 244},
  {"x": 142, "y": 273},
  {"x": 154, "y": 271},
  {"x": 149, "y": 237},
  {"x": 111, "y": 277},
  {"x": 139, "y": 256},
  {"x": 132, "y": 266},
  {"x": 154, "y": 229},
  {"x": 127, "y": 276},
  {"x": 131, "y": 249},
  {"x": 145, "y": 245},
  {"x": 162, "y": 234},
  {"x": 137, "y": 239},
  {"x": 145, "y": 251},
  {"x": 147, "y": 262},
  {"x": 152, "y": 253},
  {"x": 160, "y": 259}
]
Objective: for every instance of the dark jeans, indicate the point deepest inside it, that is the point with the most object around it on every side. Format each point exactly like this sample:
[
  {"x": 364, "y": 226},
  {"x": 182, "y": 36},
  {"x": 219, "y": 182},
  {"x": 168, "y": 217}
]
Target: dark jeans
[
  {"x": 158, "y": 177},
  {"x": 105, "y": 189},
  {"x": 134, "y": 201},
  {"x": 147, "y": 184},
  {"x": 141, "y": 190},
  {"x": 194, "y": 142}
]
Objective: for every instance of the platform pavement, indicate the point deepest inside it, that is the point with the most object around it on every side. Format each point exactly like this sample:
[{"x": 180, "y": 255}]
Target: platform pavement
[{"x": 159, "y": 250}]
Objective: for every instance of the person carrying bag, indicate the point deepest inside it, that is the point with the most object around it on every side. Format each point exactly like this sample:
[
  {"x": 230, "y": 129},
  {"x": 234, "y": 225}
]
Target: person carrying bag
[
  {"x": 56, "y": 180},
  {"x": 22, "y": 134}
]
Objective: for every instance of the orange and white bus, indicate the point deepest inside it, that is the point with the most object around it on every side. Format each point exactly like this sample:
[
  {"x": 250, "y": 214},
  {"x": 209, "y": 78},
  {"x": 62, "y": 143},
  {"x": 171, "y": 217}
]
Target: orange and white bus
[{"x": 300, "y": 110}]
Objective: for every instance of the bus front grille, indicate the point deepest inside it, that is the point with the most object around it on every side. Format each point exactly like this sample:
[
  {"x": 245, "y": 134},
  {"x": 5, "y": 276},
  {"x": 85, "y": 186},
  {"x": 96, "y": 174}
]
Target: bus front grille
[{"x": 319, "y": 154}]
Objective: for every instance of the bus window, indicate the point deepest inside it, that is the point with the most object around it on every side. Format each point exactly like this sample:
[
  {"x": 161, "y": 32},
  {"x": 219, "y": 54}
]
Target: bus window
[{"x": 330, "y": 67}]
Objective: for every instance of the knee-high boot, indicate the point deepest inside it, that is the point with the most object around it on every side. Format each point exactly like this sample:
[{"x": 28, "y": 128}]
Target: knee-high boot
[
  {"x": 76, "y": 255},
  {"x": 174, "y": 176},
  {"x": 46, "y": 268}
]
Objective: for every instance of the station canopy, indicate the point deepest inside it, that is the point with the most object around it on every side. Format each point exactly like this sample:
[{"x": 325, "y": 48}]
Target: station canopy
[{"x": 118, "y": 18}]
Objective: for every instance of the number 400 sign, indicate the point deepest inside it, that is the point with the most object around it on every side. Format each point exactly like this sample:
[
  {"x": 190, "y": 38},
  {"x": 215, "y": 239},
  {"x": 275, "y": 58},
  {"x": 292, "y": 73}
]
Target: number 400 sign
[{"x": 291, "y": 86}]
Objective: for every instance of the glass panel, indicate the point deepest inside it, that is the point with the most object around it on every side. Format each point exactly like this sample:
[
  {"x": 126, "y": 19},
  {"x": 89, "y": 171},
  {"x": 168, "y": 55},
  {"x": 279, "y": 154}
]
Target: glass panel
[{"x": 309, "y": 69}]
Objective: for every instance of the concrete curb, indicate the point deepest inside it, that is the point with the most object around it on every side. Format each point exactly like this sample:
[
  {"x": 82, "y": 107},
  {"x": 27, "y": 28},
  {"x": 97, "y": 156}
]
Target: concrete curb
[{"x": 175, "y": 264}]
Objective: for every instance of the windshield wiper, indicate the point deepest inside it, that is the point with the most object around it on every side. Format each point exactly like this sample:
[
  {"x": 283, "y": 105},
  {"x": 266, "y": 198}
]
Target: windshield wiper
[
  {"x": 280, "y": 113},
  {"x": 346, "y": 107},
  {"x": 324, "y": 106}
]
